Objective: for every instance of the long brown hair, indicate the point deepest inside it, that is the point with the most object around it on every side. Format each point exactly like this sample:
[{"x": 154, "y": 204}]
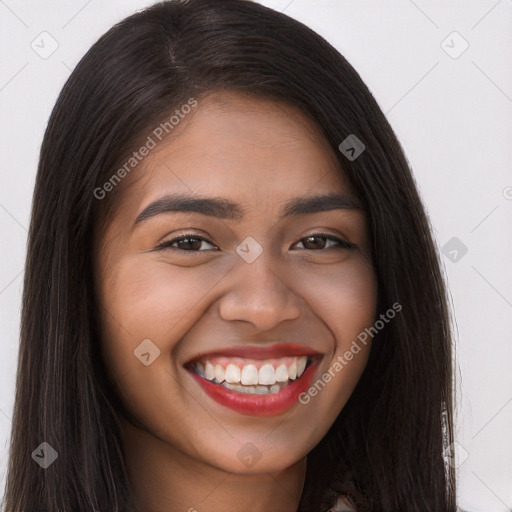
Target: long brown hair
[{"x": 386, "y": 447}]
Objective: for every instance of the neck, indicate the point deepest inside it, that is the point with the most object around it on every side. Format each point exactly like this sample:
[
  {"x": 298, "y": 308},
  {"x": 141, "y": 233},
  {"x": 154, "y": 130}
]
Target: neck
[{"x": 164, "y": 479}]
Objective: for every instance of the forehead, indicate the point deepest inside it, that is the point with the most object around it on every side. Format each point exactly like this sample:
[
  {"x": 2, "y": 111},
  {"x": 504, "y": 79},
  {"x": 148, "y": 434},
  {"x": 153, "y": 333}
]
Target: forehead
[{"x": 256, "y": 151}]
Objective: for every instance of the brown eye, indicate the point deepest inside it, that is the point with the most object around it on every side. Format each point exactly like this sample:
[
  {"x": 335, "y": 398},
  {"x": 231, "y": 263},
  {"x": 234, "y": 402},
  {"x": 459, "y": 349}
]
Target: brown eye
[
  {"x": 314, "y": 242},
  {"x": 187, "y": 243}
]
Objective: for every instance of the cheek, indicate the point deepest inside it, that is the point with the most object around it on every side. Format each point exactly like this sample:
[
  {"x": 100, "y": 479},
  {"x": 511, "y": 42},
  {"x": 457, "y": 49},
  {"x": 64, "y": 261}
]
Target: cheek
[
  {"x": 344, "y": 297},
  {"x": 346, "y": 302},
  {"x": 355, "y": 308},
  {"x": 146, "y": 299}
]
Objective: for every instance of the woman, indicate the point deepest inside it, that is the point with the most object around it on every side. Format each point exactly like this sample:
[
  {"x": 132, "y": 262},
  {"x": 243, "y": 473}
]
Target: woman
[{"x": 232, "y": 298}]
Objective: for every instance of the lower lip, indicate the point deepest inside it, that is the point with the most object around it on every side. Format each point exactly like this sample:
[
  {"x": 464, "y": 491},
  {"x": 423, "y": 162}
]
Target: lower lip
[{"x": 259, "y": 405}]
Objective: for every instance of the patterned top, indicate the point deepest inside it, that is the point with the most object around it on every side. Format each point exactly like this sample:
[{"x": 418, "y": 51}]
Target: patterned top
[{"x": 342, "y": 504}]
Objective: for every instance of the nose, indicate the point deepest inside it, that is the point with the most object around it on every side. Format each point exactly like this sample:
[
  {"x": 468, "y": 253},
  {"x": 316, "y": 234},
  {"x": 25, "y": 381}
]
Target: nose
[{"x": 259, "y": 295}]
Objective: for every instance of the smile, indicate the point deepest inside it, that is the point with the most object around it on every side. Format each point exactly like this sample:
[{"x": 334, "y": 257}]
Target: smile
[
  {"x": 261, "y": 377},
  {"x": 256, "y": 386}
]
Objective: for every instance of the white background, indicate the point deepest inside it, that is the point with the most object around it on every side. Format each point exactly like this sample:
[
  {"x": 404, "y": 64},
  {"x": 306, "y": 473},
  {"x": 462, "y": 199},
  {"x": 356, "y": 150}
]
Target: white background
[{"x": 453, "y": 117}]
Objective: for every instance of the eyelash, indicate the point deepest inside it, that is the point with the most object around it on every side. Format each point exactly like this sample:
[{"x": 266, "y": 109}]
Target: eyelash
[{"x": 167, "y": 244}]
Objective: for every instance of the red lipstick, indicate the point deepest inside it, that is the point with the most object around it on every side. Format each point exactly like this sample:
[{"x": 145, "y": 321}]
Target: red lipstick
[{"x": 252, "y": 403}]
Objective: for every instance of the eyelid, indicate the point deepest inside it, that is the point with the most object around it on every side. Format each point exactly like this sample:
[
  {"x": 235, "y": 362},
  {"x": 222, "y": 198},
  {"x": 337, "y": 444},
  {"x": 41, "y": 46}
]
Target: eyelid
[
  {"x": 166, "y": 244},
  {"x": 338, "y": 238}
]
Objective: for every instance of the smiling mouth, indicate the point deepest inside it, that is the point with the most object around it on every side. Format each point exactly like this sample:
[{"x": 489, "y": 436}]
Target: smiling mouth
[
  {"x": 259, "y": 377},
  {"x": 260, "y": 381}
]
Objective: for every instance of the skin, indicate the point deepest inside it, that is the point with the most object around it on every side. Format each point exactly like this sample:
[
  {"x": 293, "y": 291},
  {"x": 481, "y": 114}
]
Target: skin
[{"x": 182, "y": 456}]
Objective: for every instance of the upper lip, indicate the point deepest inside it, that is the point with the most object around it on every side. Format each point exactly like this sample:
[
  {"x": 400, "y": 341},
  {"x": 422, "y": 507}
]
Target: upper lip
[{"x": 260, "y": 352}]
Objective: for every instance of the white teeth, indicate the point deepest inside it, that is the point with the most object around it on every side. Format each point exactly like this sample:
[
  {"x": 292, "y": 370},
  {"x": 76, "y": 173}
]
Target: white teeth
[
  {"x": 259, "y": 390},
  {"x": 292, "y": 371},
  {"x": 281, "y": 373},
  {"x": 270, "y": 373},
  {"x": 209, "y": 371},
  {"x": 249, "y": 375},
  {"x": 301, "y": 365},
  {"x": 266, "y": 375},
  {"x": 232, "y": 374},
  {"x": 200, "y": 368},
  {"x": 219, "y": 373},
  {"x": 236, "y": 387}
]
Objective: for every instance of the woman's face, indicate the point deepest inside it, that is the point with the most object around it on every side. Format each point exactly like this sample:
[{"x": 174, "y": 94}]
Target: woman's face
[{"x": 247, "y": 294}]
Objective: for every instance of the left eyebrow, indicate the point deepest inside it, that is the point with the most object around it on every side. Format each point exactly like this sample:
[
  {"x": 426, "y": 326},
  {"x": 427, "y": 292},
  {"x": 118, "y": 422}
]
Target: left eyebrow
[
  {"x": 224, "y": 208},
  {"x": 323, "y": 203}
]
